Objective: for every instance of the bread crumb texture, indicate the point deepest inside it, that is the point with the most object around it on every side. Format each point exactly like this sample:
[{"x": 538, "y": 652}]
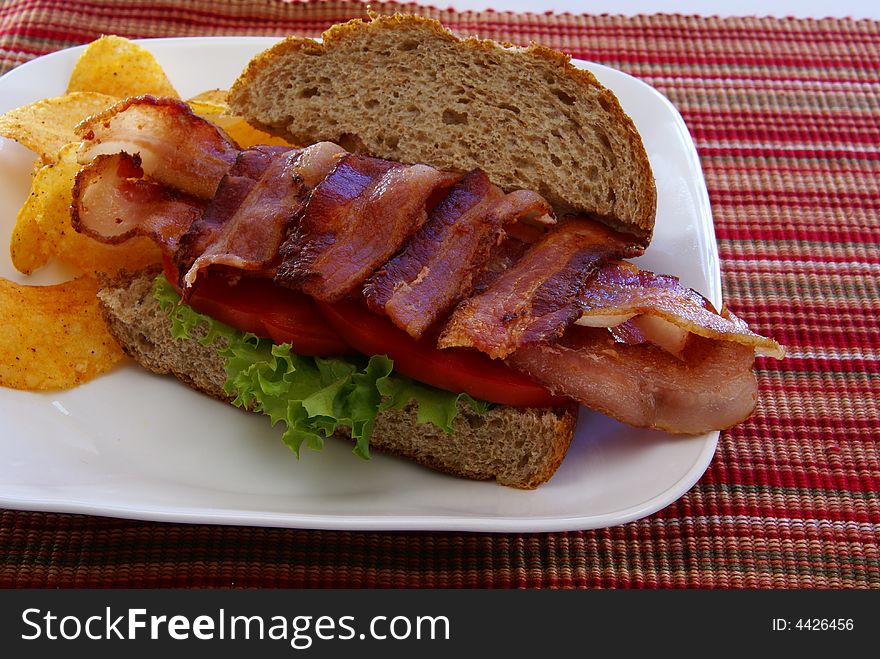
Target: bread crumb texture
[{"x": 405, "y": 88}]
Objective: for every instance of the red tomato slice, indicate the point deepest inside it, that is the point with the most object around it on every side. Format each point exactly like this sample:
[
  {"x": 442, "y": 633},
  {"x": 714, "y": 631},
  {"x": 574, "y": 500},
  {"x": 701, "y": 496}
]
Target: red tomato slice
[
  {"x": 321, "y": 329},
  {"x": 453, "y": 369},
  {"x": 258, "y": 306}
]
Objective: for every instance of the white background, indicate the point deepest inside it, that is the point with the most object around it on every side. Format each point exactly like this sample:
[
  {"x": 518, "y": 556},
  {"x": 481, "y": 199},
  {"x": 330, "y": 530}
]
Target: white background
[{"x": 798, "y": 8}]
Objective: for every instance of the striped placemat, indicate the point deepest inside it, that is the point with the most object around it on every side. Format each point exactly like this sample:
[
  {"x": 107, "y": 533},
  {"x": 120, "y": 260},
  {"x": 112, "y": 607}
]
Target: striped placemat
[{"x": 786, "y": 117}]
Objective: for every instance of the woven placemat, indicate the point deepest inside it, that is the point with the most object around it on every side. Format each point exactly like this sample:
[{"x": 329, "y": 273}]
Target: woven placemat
[{"x": 786, "y": 117}]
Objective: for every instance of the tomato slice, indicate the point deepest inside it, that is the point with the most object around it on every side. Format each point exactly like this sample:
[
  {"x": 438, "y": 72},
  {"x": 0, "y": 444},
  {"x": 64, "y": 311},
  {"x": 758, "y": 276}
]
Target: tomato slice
[
  {"x": 295, "y": 319},
  {"x": 321, "y": 329},
  {"x": 258, "y": 306},
  {"x": 453, "y": 369}
]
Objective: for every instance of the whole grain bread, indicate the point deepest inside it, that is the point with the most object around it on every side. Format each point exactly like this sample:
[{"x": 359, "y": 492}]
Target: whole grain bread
[
  {"x": 405, "y": 88},
  {"x": 517, "y": 447}
]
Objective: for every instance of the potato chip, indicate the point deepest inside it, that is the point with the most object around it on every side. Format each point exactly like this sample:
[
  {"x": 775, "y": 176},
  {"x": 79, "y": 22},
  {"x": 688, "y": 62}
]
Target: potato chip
[
  {"x": 246, "y": 135},
  {"x": 119, "y": 67},
  {"x": 212, "y": 98},
  {"x": 47, "y": 125},
  {"x": 28, "y": 247},
  {"x": 53, "y": 193},
  {"x": 53, "y": 337}
]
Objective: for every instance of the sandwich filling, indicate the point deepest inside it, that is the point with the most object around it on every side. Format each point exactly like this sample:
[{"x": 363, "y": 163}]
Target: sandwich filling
[
  {"x": 312, "y": 396},
  {"x": 442, "y": 260}
]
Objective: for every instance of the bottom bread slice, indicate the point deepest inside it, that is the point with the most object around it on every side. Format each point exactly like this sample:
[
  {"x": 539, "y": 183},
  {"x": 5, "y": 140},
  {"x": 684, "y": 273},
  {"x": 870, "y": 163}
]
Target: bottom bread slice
[{"x": 518, "y": 447}]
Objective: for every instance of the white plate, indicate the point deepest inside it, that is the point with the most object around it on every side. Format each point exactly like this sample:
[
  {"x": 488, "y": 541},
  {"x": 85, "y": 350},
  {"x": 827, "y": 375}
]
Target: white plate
[{"x": 131, "y": 444}]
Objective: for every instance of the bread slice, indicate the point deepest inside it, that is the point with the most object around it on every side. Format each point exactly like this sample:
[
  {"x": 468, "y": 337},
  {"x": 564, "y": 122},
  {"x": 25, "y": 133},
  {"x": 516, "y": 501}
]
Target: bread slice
[
  {"x": 407, "y": 89},
  {"x": 517, "y": 447}
]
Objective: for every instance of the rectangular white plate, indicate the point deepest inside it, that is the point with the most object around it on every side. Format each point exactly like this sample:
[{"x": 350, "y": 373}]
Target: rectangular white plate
[{"x": 131, "y": 444}]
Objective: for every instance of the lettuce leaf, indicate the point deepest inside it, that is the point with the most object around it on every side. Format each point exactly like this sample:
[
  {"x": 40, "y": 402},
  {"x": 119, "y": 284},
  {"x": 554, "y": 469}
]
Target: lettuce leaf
[{"x": 311, "y": 396}]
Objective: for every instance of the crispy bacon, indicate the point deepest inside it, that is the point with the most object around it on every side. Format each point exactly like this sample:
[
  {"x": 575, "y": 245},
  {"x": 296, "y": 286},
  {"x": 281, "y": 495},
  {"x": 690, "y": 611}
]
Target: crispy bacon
[
  {"x": 250, "y": 239},
  {"x": 112, "y": 203},
  {"x": 249, "y": 166},
  {"x": 508, "y": 251},
  {"x": 712, "y": 387},
  {"x": 357, "y": 217},
  {"x": 324, "y": 221},
  {"x": 662, "y": 310},
  {"x": 251, "y": 235},
  {"x": 438, "y": 265},
  {"x": 536, "y": 299},
  {"x": 176, "y": 146}
]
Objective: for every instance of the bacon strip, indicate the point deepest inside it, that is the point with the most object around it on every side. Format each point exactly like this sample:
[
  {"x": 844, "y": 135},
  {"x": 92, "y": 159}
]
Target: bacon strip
[
  {"x": 536, "y": 299},
  {"x": 112, "y": 203},
  {"x": 254, "y": 231},
  {"x": 712, "y": 387},
  {"x": 508, "y": 251},
  {"x": 357, "y": 218},
  {"x": 235, "y": 186},
  {"x": 176, "y": 146},
  {"x": 438, "y": 265},
  {"x": 657, "y": 301}
]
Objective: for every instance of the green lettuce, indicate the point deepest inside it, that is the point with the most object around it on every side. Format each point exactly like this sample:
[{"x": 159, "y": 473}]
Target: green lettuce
[{"x": 311, "y": 396}]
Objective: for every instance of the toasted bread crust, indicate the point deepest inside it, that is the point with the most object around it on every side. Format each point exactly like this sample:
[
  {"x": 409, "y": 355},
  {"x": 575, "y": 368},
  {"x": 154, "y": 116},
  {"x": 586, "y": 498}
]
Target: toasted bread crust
[
  {"x": 526, "y": 115},
  {"x": 519, "y": 447}
]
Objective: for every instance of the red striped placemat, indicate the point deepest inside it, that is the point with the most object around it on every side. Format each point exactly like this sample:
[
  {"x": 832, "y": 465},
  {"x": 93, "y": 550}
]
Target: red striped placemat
[{"x": 786, "y": 117}]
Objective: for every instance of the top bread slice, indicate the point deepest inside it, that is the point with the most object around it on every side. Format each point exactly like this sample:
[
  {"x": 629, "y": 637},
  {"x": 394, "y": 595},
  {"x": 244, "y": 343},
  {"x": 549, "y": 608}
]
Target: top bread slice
[
  {"x": 518, "y": 447},
  {"x": 405, "y": 88}
]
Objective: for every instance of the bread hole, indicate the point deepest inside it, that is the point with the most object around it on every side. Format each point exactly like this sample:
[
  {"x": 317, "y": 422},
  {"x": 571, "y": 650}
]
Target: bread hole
[
  {"x": 592, "y": 172},
  {"x": 351, "y": 142},
  {"x": 565, "y": 98},
  {"x": 453, "y": 118},
  {"x": 476, "y": 422},
  {"x": 605, "y": 103},
  {"x": 603, "y": 137},
  {"x": 464, "y": 100},
  {"x": 371, "y": 103},
  {"x": 392, "y": 141},
  {"x": 611, "y": 196},
  {"x": 308, "y": 92},
  {"x": 555, "y": 159},
  {"x": 409, "y": 44},
  {"x": 412, "y": 108},
  {"x": 509, "y": 108},
  {"x": 144, "y": 343},
  {"x": 556, "y": 133},
  {"x": 323, "y": 80}
]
